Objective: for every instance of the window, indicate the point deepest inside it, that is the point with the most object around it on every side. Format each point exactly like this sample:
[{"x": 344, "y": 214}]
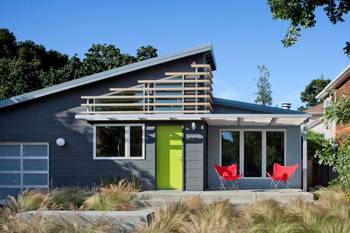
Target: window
[
  {"x": 110, "y": 141},
  {"x": 274, "y": 149},
  {"x": 119, "y": 141},
  {"x": 252, "y": 153},
  {"x": 230, "y": 147},
  {"x": 136, "y": 141}
]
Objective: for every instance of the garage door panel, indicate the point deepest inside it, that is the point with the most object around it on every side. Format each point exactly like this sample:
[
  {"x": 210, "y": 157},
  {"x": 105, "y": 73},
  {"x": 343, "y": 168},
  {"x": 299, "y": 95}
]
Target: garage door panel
[
  {"x": 10, "y": 164},
  {"x": 23, "y": 166},
  {"x": 35, "y": 164},
  {"x": 35, "y": 179},
  {"x": 10, "y": 179},
  {"x": 10, "y": 150},
  {"x": 34, "y": 150},
  {"x": 5, "y": 192}
]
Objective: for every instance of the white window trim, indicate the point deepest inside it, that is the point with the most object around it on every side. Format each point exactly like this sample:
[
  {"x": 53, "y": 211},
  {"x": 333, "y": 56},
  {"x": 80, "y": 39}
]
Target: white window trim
[
  {"x": 20, "y": 172},
  {"x": 263, "y": 142},
  {"x": 127, "y": 143}
]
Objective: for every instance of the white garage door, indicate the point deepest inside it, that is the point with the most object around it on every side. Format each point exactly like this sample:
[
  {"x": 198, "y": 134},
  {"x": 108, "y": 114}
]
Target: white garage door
[{"x": 23, "y": 166}]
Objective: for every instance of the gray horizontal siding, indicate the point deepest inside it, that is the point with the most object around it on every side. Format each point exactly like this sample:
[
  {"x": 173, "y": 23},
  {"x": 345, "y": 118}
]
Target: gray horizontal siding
[
  {"x": 194, "y": 156},
  {"x": 48, "y": 118}
]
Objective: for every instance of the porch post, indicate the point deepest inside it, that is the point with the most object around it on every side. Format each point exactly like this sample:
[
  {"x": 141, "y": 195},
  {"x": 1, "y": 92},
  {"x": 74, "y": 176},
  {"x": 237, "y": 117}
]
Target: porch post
[{"x": 304, "y": 170}]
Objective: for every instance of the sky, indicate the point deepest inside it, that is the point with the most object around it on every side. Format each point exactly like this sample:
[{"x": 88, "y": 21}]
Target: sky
[{"x": 242, "y": 33}]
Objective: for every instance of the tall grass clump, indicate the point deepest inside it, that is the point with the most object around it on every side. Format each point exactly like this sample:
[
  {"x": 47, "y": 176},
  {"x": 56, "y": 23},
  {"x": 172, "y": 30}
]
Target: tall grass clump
[
  {"x": 10, "y": 222},
  {"x": 218, "y": 217},
  {"x": 269, "y": 216},
  {"x": 335, "y": 199},
  {"x": 117, "y": 196},
  {"x": 168, "y": 219},
  {"x": 68, "y": 198},
  {"x": 29, "y": 200}
]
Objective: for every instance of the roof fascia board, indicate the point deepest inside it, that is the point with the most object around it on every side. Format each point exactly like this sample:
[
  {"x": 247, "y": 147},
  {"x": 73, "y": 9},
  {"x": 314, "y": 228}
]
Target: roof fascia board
[{"x": 334, "y": 84}]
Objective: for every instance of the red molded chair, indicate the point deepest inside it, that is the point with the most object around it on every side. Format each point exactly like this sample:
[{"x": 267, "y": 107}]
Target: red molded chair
[
  {"x": 227, "y": 173},
  {"x": 281, "y": 174}
]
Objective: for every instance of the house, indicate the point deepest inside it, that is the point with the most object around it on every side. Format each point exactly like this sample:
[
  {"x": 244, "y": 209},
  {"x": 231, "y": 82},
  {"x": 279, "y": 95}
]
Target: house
[
  {"x": 156, "y": 120},
  {"x": 316, "y": 122},
  {"x": 340, "y": 86}
]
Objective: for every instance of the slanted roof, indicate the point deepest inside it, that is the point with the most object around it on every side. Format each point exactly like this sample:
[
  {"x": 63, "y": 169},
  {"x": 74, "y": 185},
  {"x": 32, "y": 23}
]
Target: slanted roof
[
  {"x": 253, "y": 107},
  {"x": 111, "y": 73},
  {"x": 344, "y": 75},
  {"x": 317, "y": 109}
]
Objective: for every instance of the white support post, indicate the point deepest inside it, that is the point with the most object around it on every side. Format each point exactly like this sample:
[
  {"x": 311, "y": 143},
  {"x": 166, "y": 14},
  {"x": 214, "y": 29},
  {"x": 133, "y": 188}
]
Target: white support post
[{"x": 304, "y": 167}]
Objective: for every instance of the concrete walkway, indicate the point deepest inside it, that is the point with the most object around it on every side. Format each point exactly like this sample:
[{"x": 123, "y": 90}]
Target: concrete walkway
[{"x": 235, "y": 197}]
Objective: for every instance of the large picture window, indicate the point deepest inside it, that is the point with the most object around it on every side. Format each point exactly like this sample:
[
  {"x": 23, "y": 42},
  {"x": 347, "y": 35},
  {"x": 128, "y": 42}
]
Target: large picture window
[
  {"x": 254, "y": 151},
  {"x": 118, "y": 141}
]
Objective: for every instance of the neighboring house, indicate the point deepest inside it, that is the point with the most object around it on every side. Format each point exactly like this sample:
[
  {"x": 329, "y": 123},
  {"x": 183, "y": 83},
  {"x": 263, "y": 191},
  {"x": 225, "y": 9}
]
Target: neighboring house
[
  {"x": 156, "y": 120},
  {"x": 341, "y": 87},
  {"x": 316, "y": 122}
]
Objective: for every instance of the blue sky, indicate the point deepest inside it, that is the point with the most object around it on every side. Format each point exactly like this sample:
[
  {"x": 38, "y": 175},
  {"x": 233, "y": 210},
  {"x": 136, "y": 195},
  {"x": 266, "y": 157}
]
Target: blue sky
[{"x": 242, "y": 32}]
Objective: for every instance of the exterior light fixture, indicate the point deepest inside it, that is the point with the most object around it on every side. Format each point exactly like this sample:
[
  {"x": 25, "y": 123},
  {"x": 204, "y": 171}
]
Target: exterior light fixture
[
  {"x": 193, "y": 126},
  {"x": 60, "y": 142}
]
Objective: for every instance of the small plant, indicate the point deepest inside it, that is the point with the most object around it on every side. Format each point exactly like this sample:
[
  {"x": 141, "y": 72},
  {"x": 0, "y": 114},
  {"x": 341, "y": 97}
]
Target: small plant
[{"x": 132, "y": 185}]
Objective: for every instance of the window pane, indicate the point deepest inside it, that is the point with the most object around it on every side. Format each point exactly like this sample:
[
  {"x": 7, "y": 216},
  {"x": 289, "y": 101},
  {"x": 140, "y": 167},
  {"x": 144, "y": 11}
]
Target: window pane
[
  {"x": 135, "y": 141},
  {"x": 10, "y": 150},
  {"x": 110, "y": 141},
  {"x": 252, "y": 154},
  {"x": 274, "y": 149},
  {"x": 230, "y": 147},
  {"x": 34, "y": 150}
]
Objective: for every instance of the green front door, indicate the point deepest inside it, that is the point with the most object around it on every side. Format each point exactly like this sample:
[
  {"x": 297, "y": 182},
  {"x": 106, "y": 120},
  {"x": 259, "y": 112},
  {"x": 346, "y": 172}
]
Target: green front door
[{"x": 169, "y": 157}]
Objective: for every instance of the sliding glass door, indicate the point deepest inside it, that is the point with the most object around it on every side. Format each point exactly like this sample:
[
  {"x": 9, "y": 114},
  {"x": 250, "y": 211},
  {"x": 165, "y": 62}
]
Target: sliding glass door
[
  {"x": 254, "y": 151},
  {"x": 252, "y": 154}
]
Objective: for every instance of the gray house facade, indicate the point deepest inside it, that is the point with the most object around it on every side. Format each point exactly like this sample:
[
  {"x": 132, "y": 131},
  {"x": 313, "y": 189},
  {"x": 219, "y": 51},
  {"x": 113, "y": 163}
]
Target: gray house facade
[{"x": 131, "y": 121}]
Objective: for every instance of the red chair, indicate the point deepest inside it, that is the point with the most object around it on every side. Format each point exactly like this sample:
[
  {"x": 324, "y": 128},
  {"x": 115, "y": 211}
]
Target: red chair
[
  {"x": 227, "y": 173},
  {"x": 281, "y": 174}
]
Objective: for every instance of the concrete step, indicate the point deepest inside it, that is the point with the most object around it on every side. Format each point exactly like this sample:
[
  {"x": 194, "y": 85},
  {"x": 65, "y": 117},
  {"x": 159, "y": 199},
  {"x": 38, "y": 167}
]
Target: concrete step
[{"x": 235, "y": 197}]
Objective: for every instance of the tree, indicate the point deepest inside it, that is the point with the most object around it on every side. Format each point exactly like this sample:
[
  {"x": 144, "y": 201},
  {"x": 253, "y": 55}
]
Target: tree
[
  {"x": 147, "y": 52},
  {"x": 308, "y": 96},
  {"x": 26, "y": 66},
  {"x": 264, "y": 93},
  {"x": 301, "y": 16},
  {"x": 8, "y": 45}
]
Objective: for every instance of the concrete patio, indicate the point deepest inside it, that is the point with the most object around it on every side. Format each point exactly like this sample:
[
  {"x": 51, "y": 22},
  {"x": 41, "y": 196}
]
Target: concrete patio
[{"x": 235, "y": 196}]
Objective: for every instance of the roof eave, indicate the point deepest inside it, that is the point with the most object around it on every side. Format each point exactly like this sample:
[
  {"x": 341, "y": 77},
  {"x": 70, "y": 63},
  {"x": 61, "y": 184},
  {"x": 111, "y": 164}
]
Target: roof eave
[{"x": 334, "y": 84}]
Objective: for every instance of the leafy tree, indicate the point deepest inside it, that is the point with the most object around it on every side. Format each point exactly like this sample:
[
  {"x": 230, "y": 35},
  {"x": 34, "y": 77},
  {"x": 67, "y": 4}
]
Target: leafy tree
[
  {"x": 26, "y": 66},
  {"x": 147, "y": 52},
  {"x": 264, "y": 93},
  {"x": 301, "y": 16},
  {"x": 311, "y": 90},
  {"x": 338, "y": 110},
  {"x": 8, "y": 45}
]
